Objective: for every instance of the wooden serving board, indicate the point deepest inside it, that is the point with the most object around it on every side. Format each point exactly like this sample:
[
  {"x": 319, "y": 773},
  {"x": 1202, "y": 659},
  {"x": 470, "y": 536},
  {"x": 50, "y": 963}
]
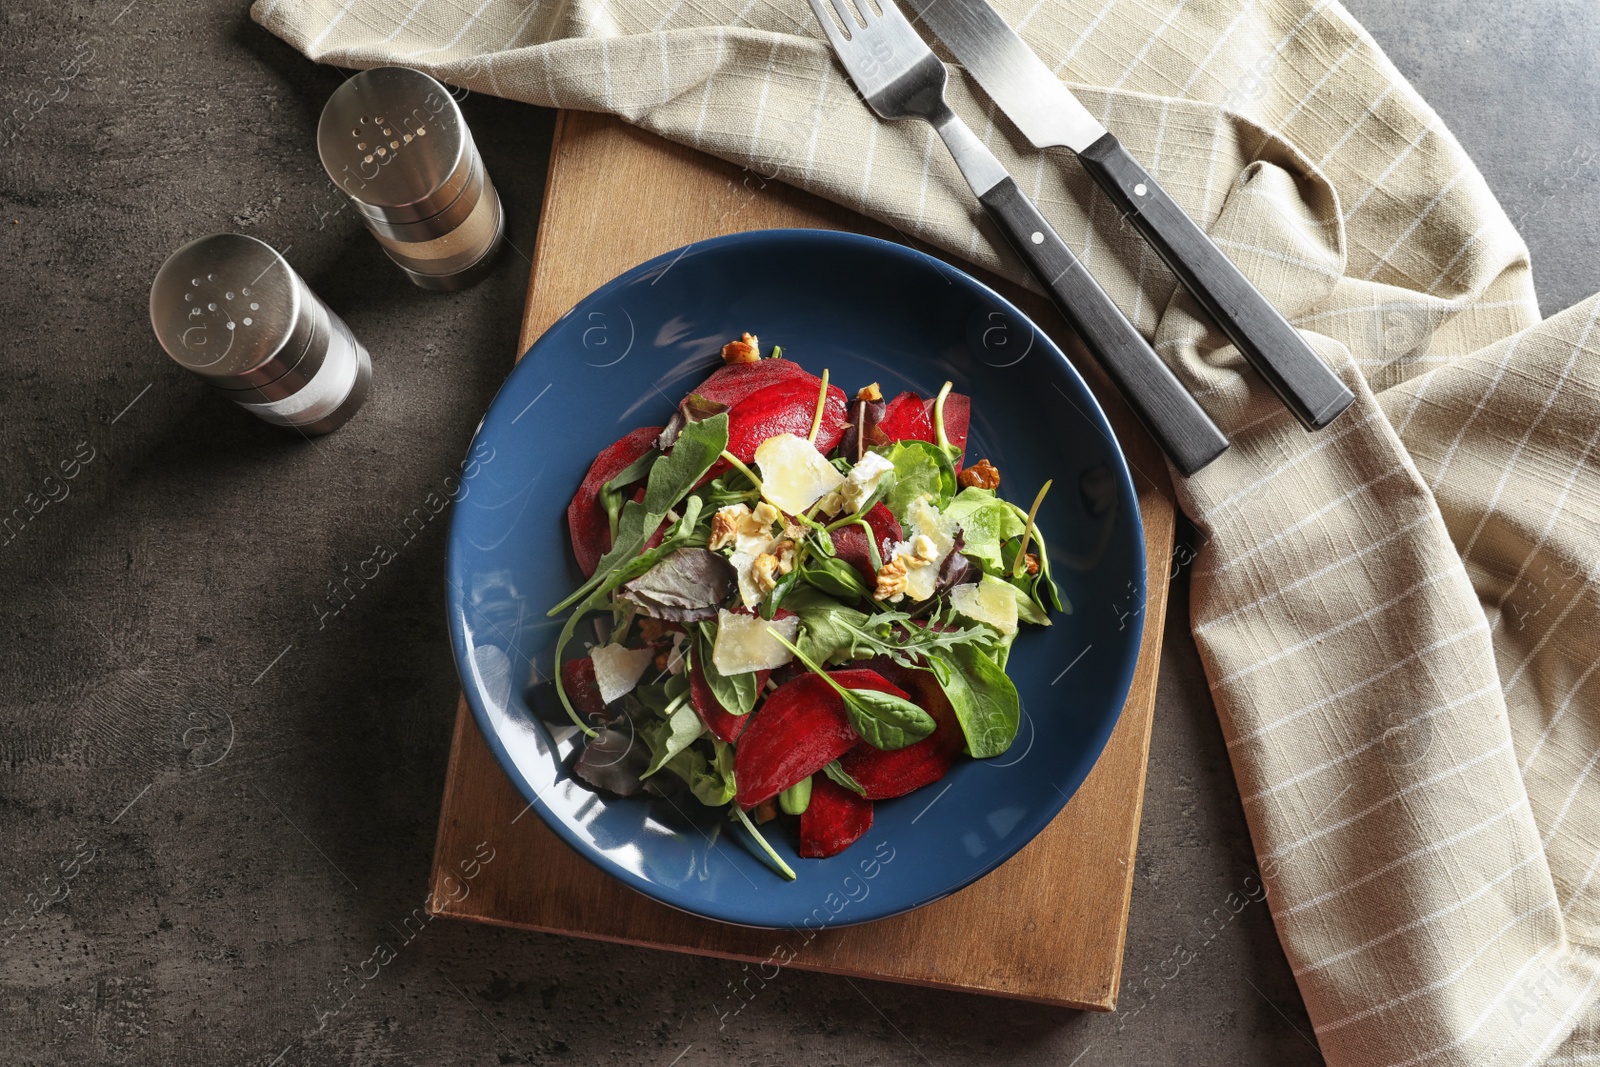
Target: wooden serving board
[{"x": 1049, "y": 924}]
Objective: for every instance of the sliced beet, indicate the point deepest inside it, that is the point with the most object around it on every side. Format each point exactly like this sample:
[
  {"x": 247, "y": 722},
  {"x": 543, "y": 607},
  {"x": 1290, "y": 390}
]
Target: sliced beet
[
  {"x": 787, "y": 406},
  {"x": 798, "y": 730},
  {"x": 577, "y": 678},
  {"x": 732, "y": 382},
  {"x": 850, "y": 542},
  {"x": 907, "y": 418},
  {"x": 586, "y": 518},
  {"x": 894, "y": 774},
  {"x": 834, "y": 820},
  {"x": 957, "y": 419}
]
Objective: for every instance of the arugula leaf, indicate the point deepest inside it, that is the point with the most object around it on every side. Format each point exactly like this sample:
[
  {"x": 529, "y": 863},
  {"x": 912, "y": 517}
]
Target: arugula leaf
[
  {"x": 736, "y": 693},
  {"x": 921, "y": 468},
  {"x": 667, "y": 739},
  {"x": 797, "y": 798},
  {"x": 897, "y": 635},
  {"x": 983, "y": 697},
  {"x": 611, "y": 497},
  {"x": 837, "y": 772}
]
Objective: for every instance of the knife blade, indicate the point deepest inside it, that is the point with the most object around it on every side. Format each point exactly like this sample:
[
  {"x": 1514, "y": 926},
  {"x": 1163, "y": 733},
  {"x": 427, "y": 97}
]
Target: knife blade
[{"x": 1048, "y": 115}]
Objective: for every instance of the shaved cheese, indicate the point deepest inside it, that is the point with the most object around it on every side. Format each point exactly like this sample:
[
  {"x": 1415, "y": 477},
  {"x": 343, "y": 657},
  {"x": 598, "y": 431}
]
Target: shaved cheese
[
  {"x": 923, "y": 520},
  {"x": 744, "y": 569},
  {"x": 862, "y": 482},
  {"x": 989, "y": 600},
  {"x": 745, "y": 642},
  {"x": 794, "y": 475},
  {"x": 618, "y": 669}
]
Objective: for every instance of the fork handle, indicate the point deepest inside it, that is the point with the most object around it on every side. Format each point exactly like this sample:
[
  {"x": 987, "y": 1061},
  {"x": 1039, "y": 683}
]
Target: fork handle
[
  {"x": 1276, "y": 350},
  {"x": 1182, "y": 428}
]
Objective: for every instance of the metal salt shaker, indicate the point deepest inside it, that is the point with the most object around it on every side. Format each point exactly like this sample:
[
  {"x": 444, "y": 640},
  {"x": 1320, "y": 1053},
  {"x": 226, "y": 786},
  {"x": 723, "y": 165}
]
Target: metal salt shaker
[
  {"x": 394, "y": 141},
  {"x": 230, "y": 309}
]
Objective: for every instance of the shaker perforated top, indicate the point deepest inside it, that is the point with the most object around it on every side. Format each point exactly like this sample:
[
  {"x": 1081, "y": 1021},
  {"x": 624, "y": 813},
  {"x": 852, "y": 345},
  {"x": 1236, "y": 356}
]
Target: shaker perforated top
[
  {"x": 394, "y": 140},
  {"x": 229, "y": 308}
]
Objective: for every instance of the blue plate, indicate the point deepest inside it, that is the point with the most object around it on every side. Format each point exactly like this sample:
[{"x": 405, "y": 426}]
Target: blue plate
[{"x": 868, "y": 311}]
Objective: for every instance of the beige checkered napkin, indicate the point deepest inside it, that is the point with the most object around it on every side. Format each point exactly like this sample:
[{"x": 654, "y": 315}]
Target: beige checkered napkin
[{"x": 1398, "y": 615}]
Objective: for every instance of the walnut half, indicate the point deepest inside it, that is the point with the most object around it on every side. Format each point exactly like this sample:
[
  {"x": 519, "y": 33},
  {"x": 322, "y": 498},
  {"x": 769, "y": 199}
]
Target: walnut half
[
  {"x": 981, "y": 475},
  {"x": 725, "y": 525},
  {"x": 747, "y": 349},
  {"x": 891, "y": 580}
]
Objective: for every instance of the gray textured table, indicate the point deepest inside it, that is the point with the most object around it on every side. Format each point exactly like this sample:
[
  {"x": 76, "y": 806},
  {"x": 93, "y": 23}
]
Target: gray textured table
[{"x": 250, "y": 788}]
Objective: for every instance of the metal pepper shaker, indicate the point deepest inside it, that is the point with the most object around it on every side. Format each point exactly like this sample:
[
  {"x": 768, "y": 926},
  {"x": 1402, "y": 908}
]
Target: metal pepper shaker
[
  {"x": 394, "y": 141},
  {"x": 231, "y": 310}
]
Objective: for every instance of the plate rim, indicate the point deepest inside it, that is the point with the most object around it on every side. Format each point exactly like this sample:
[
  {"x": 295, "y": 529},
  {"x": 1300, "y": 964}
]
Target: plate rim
[{"x": 453, "y": 607}]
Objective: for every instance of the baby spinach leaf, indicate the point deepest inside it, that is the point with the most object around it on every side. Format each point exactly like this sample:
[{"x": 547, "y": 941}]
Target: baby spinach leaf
[
  {"x": 983, "y": 697},
  {"x": 884, "y": 720},
  {"x": 737, "y": 692},
  {"x": 837, "y": 772},
  {"x": 685, "y": 586},
  {"x": 921, "y": 468},
  {"x": 825, "y": 624},
  {"x": 1028, "y": 609},
  {"x": 835, "y": 577},
  {"x": 695, "y": 407}
]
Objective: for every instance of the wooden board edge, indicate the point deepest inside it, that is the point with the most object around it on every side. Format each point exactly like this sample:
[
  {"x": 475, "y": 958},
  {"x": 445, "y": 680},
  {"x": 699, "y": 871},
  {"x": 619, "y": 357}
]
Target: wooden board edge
[
  {"x": 815, "y": 968},
  {"x": 551, "y": 180},
  {"x": 1149, "y": 660},
  {"x": 437, "y": 869}
]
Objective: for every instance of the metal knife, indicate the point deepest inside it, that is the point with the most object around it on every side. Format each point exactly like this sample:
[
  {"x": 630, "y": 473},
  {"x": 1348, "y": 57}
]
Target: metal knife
[{"x": 1049, "y": 115}]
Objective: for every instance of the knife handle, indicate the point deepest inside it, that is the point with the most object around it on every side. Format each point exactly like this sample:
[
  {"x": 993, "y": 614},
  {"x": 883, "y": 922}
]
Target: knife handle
[
  {"x": 1182, "y": 428},
  {"x": 1277, "y": 351}
]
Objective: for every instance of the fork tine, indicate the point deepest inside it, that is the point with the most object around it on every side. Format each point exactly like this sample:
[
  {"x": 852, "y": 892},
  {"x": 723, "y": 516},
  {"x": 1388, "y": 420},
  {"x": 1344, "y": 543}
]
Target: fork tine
[
  {"x": 892, "y": 13},
  {"x": 819, "y": 8},
  {"x": 848, "y": 16},
  {"x": 868, "y": 15}
]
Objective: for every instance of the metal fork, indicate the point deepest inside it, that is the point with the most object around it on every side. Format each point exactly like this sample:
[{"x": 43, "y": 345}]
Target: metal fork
[{"x": 901, "y": 78}]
